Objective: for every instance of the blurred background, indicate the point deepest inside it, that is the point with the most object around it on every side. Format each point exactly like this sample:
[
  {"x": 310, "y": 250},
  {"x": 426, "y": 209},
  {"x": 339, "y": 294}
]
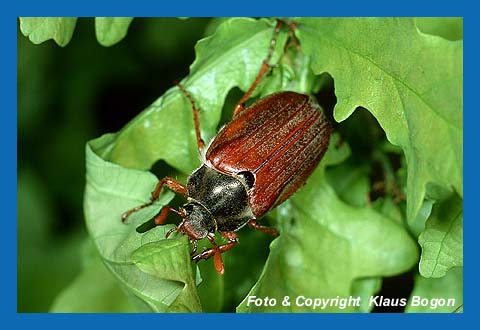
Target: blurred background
[{"x": 67, "y": 96}]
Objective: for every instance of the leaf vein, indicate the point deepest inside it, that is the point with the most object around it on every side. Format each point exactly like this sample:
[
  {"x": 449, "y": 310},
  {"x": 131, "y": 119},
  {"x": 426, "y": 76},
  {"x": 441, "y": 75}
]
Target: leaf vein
[{"x": 388, "y": 73}]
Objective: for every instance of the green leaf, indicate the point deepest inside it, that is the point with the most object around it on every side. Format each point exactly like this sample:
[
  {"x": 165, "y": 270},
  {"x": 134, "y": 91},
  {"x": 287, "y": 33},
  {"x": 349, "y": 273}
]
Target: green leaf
[
  {"x": 440, "y": 292},
  {"x": 40, "y": 29},
  {"x": 160, "y": 259},
  {"x": 450, "y": 28},
  {"x": 411, "y": 82},
  {"x": 442, "y": 240},
  {"x": 110, "y": 30},
  {"x": 93, "y": 291},
  {"x": 325, "y": 245},
  {"x": 366, "y": 288},
  {"x": 417, "y": 226},
  {"x": 387, "y": 207},
  {"x": 350, "y": 182},
  {"x": 110, "y": 191}
]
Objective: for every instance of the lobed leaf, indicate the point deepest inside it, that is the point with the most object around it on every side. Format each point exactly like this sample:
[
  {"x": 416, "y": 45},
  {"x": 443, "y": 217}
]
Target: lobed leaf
[
  {"x": 40, "y": 29},
  {"x": 110, "y": 30},
  {"x": 435, "y": 290},
  {"x": 411, "y": 82},
  {"x": 94, "y": 290},
  {"x": 161, "y": 260},
  {"x": 442, "y": 240},
  {"x": 110, "y": 191},
  {"x": 450, "y": 28}
]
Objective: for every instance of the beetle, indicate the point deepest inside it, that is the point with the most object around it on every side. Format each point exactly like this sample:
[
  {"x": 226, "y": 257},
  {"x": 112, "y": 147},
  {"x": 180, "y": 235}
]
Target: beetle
[{"x": 252, "y": 165}]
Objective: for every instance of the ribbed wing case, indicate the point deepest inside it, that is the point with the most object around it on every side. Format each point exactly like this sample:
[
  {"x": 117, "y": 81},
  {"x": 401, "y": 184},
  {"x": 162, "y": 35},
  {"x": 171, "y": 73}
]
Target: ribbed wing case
[{"x": 280, "y": 139}]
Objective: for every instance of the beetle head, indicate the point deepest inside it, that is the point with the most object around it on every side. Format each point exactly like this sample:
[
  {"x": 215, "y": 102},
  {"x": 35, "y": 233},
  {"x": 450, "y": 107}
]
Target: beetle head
[{"x": 197, "y": 221}]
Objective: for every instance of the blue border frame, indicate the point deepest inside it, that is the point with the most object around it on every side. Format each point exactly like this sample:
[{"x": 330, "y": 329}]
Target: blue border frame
[{"x": 221, "y": 8}]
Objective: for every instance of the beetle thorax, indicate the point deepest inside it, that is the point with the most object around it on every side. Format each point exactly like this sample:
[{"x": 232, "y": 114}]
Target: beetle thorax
[{"x": 217, "y": 201}]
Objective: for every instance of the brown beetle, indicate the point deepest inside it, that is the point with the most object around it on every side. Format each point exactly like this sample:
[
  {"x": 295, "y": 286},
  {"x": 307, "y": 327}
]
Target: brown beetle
[{"x": 255, "y": 162}]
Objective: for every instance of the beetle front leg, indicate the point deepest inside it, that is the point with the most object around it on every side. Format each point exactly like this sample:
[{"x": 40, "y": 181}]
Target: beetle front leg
[
  {"x": 170, "y": 183},
  {"x": 217, "y": 250}
]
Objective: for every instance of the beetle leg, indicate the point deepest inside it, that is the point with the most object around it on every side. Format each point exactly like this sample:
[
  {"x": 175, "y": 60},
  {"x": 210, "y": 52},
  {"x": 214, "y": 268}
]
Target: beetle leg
[
  {"x": 200, "y": 143},
  {"x": 263, "y": 69},
  {"x": 208, "y": 252},
  {"x": 167, "y": 235},
  {"x": 162, "y": 216},
  {"x": 217, "y": 250},
  {"x": 291, "y": 33},
  {"x": 170, "y": 183},
  {"x": 269, "y": 230},
  {"x": 194, "y": 249}
]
